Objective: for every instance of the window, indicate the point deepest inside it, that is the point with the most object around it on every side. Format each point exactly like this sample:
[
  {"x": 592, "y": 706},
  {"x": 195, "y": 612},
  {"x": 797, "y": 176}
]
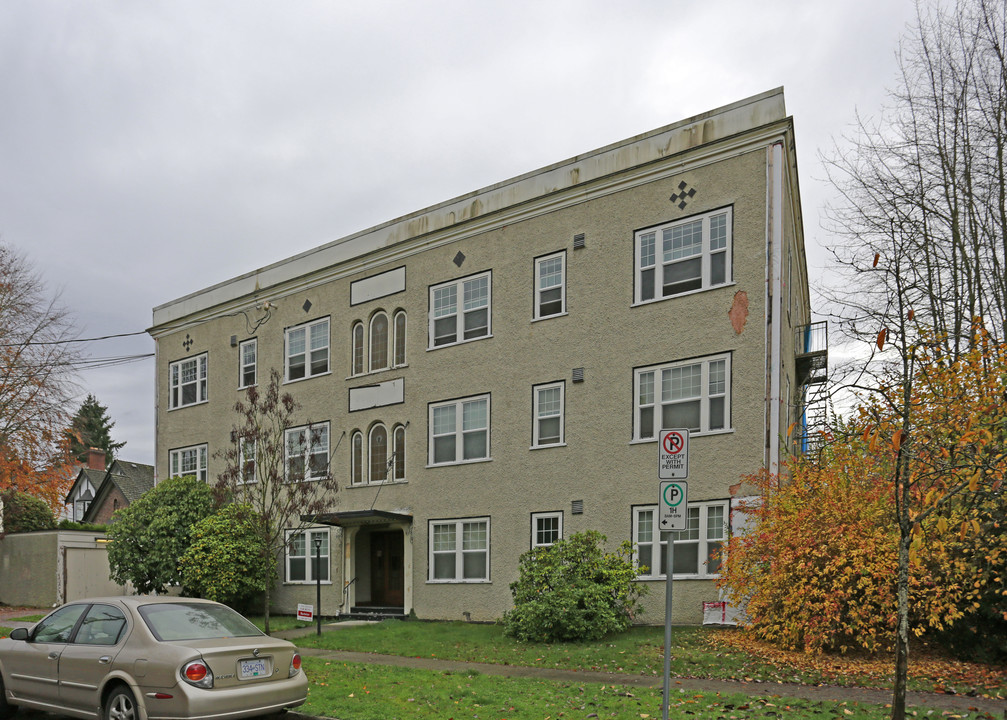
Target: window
[
  {"x": 459, "y": 431},
  {"x": 696, "y": 548},
  {"x": 308, "y": 350},
  {"x": 693, "y": 394},
  {"x": 546, "y": 528},
  {"x": 378, "y": 453},
  {"x": 189, "y": 461},
  {"x": 307, "y": 452},
  {"x": 459, "y": 550},
  {"x": 548, "y": 412},
  {"x": 550, "y": 285},
  {"x": 357, "y": 345},
  {"x": 103, "y": 625},
  {"x": 247, "y": 356},
  {"x": 460, "y": 310},
  {"x": 188, "y": 382},
  {"x": 399, "y": 452},
  {"x": 683, "y": 256},
  {"x": 246, "y": 453},
  {"x": 301, "y": 564},
  {"x": 379, "y": 342},
  {"x": 58, "y": 627},
  {"x": 357, "y": 459},
  {"x": 400, "y": 338}
]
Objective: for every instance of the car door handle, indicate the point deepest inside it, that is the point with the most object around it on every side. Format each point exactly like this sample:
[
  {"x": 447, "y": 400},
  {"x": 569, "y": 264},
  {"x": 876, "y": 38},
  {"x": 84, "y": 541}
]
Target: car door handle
[
  {"x": 54, "y": 656},
  {"x": 105, "y": 659}
]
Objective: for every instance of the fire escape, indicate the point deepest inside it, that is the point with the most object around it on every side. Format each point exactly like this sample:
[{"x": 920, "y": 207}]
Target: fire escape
[{"x": 811, "y": 348}]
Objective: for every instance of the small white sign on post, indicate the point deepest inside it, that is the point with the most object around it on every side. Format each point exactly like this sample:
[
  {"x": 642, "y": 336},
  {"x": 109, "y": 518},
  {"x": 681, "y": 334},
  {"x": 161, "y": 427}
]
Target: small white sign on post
[
  {"x": 674, "y": 505},
  {"x": 305, "y": 613},
  {"x": 673, "y": 463}
]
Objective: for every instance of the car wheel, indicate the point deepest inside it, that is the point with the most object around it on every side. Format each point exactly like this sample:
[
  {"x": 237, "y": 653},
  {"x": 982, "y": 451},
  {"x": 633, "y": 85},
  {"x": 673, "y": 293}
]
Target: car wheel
[
  {"x": 6, "y": 709},
  {"x": 121, "y": 705}
]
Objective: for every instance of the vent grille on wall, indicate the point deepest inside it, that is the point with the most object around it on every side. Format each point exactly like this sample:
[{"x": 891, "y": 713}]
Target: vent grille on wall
[
  {"x": 579, "y": 241},
  {"x": 577, "y": 507},
  {"x": 578, "y": 374}
]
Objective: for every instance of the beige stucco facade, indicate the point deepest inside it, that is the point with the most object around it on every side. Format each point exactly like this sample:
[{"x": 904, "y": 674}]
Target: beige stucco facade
[{"x": 591, "y": 212}]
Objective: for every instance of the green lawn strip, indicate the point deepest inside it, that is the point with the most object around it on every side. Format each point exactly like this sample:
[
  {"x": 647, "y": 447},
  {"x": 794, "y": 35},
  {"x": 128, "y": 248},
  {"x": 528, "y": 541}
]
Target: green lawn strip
[
  {"x": 4, "y": 631},
  {"x": 29, "y": 618},
  {"x": 638, "y": 651},
  {"x": 278, "y": 622},
  {"x": 376, "y": 692}
]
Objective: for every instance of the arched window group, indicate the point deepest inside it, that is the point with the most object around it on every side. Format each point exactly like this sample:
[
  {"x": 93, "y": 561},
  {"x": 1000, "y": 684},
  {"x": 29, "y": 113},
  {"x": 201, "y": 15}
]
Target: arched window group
[
  {"x": 377, "y": 456},
  {"x": 379, "y": 345}
]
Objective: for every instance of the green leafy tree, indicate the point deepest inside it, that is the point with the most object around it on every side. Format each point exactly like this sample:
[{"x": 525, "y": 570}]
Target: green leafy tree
[
  {"x": 25, "y": 513},
  {"x": 224, "y": 561},
  {"x": 573, "y": 590},
  {"x": 91, "y": 428},
  {"x": 148, "y": 538}
]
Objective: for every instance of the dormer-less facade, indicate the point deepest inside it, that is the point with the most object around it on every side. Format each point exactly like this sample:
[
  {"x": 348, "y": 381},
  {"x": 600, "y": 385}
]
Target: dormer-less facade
[{"x": 491, "y": 373}]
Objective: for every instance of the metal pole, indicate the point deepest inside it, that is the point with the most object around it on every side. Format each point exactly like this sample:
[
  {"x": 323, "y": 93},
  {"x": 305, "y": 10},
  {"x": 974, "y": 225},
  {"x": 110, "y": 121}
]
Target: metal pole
[
  {"x": 318, "y": 582},
  {"x": 666, "y": 700}
]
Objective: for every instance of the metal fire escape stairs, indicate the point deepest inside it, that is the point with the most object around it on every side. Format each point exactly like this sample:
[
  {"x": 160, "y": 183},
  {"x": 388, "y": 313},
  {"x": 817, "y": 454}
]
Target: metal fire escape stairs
[{"x": 811, "y": 348}]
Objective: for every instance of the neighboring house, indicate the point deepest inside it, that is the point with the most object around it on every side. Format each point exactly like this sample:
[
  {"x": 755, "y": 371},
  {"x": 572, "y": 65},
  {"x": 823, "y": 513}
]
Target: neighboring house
[
  {"x": 123, "y": 483},
  {"x": 491, "y": 373},
  {"x": 85, "y": 486}
]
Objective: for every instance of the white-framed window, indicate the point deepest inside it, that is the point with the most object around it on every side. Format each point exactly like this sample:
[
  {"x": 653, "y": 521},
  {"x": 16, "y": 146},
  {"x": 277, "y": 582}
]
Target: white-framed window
[
  {"x": 399, "y": 337},
  {"x": 546, "y": 528},
  {"x": 548, "y": 408},
  {"x": 459, "y": 550},
  {"x": 693, "y": 394},
  {"x": 307, "y": 350},
  {"x": 696, "y": 548},
  {"x": 460, "y": 430},
  {"x": 306, "y": 452},
  {"x": 357, "y": 348},
  {"x": 188, "y": 461},
  {"x": 399, "y": 452},
  {"x": 188, "y": 382},
  {"x": 247, "y": 362},
  {"x": 683, "y": 256},
  {"x": 246, "y": 455},
  {"x": 550, "y": 285},
  {"x": 460, "y": 310},
  {"x": 301, "y": 565},
  {"x": 377, "y": 452},
  {"x": 379, "y": 342},
  {"x": 357, "y": 458}
]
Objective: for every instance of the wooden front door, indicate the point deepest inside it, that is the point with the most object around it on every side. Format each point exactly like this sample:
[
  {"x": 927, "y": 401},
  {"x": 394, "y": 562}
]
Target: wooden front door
[{"x": 387, "y": 576}]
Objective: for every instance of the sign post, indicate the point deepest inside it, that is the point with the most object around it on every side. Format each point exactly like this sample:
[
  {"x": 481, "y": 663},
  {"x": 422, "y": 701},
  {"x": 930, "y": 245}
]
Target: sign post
[{"x": 672, "y": 469}]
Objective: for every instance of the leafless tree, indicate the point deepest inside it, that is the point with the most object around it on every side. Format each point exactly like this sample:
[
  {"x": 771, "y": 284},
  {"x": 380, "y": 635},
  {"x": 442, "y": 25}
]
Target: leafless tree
[
  {"x": 279, "y": 467},
  {"x": 922, "y": 223}
]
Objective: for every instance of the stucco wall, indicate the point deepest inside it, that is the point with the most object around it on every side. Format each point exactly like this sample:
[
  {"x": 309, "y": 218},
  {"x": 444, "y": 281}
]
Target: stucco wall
[{"x": 28, "y": 574}]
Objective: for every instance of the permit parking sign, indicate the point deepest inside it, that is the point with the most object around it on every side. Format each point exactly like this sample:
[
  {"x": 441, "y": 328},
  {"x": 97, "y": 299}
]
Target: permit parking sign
[
  {"x": 674, "y": 505},
  {"x": 673, "y": 462}
]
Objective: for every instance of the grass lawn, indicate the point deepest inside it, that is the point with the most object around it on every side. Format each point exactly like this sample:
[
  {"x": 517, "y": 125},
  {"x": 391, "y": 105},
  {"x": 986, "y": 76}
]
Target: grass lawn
[
  {"x": 375, "y": 692},
  {"x": 4, "y": 631},
  {"x": 697, "y": 652},
  {"x": 281, "y": 622},
  {"x": 29, "y": 618}
]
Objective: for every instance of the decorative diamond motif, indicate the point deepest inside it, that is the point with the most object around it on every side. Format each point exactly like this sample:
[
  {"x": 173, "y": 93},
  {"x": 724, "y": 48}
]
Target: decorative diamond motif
[
  {"x": 306, "y": 306},
  {"x": 459, "y": 258},
  {"x": 683, "y": 195},
  {"x": 187, "y": 343}
]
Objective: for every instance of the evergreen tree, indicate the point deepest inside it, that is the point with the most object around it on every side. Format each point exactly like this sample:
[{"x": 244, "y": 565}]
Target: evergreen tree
[{"x": 90, "y": 428}]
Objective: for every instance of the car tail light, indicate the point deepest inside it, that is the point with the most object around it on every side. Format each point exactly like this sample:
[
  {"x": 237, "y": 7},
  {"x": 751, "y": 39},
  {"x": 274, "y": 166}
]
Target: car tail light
[
  {"x": 295, "y": 665},
  {"x": 198, "y": 674}
]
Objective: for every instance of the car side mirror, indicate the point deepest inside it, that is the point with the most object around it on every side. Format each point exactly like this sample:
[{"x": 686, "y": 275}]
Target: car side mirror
[{"x": 19, "y": 634}]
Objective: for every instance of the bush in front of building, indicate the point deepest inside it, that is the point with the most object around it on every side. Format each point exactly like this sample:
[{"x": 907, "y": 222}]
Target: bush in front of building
[
  {"x": 227, "y": 560},
  {"x": 574, "y": 591},
  {"x": 25, "y": 513}
]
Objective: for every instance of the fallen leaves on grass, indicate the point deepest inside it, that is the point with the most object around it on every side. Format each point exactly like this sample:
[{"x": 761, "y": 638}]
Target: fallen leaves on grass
[{"x": 938, "y": 674}]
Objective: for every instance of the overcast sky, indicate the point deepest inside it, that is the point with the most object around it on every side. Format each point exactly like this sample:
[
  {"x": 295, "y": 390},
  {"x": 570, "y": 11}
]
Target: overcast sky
[{"x": 150, "y": 149}]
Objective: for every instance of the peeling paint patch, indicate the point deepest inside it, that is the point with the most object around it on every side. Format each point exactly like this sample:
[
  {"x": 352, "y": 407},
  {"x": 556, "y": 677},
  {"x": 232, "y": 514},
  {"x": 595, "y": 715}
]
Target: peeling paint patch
[{"x": 738, "y": 313}]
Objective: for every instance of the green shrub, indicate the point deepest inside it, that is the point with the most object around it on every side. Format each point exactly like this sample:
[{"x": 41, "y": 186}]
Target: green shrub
[
  {"x": 573, "y": 590},
  {"x": 227, "y": 560},
  {"x": 25, "y": 513}
]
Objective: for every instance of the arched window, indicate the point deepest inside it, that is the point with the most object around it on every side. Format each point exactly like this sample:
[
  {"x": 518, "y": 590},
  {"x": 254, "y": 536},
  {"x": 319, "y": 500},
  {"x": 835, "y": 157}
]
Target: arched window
[
  {"x": 400, "y": 338},
  {"x": 358, "y": 348},
  {"x": 357, "y": 459},
  {"x": 399, "y": 448},
  {"x": 379, "y": 341},
  {"x": 378, "y": 453}
]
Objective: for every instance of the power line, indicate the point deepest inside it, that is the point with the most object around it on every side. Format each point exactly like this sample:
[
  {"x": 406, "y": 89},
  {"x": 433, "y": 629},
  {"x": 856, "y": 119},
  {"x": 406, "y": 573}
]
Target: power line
[{"x": 76, "y": 340}]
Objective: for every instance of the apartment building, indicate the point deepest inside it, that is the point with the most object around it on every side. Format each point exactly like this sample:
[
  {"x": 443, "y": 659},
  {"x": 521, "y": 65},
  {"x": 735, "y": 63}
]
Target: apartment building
[{"x": 491, "y": 373}]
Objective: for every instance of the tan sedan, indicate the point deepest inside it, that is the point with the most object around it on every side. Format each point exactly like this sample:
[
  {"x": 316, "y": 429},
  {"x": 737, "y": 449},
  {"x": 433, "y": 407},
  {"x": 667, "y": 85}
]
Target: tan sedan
[{"x": 149, "y": 658}]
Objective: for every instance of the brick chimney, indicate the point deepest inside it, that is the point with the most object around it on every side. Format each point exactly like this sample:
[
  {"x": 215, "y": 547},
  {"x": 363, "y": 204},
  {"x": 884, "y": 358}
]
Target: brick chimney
[{"x": 96, "y": 459}]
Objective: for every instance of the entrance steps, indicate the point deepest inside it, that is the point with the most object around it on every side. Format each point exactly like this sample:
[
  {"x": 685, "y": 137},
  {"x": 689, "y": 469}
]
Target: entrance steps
[{"x": 375, "y": 612}]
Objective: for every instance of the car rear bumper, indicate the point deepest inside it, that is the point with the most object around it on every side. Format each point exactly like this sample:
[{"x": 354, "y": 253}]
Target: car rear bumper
[{"x": 230, "y": 703}]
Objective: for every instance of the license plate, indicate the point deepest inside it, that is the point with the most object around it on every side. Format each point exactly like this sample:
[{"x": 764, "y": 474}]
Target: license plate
[{"x": 259, "y": 667}]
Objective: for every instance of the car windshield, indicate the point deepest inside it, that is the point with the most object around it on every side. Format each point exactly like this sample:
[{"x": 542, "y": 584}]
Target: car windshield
[{"x": 195, "y": 621}]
